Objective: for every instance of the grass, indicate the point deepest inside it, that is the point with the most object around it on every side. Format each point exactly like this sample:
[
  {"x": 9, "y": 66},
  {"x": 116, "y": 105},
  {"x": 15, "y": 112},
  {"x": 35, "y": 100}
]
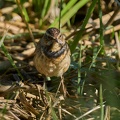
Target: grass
[
  {"x": 8, "y": 55},
  {"x": 66, "y": 15},
  {"x": 92, "y": 80},
  {"x": 79, "y": 35}
]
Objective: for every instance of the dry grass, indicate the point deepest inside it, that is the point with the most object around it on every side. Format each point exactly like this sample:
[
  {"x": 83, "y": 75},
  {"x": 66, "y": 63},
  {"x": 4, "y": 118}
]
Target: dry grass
[{"x": 92, "y": 66}]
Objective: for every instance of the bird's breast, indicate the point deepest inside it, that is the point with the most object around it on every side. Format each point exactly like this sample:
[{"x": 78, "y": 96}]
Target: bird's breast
[{"x": 51, "y": 66}]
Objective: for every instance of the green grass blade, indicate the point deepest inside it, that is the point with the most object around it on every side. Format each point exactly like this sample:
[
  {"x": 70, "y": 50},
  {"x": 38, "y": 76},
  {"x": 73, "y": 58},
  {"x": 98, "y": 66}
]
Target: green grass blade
[
  {"x": 53, "y": 113},
  {"x": 8, "y": 55},
  {"x": 94, "y": 57},
  {"x": 101, "y": 103},
  {"x": 65, "y": 16},
  {"x": 79, "y": 34},
  {"x": 60, "y": 13},
  {"x": 79, "y": 72},
  {"x": 25, "y": 14},
  {"x": 44, "y": 10},
  {"x": 67, "y": 7},
  {"x": 3, "y": 38},
  {"x": 101, "y": 27}
]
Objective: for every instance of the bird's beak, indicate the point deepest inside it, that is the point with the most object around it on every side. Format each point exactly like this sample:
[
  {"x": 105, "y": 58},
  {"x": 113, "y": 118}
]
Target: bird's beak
[{"x": 59, "y": 41}]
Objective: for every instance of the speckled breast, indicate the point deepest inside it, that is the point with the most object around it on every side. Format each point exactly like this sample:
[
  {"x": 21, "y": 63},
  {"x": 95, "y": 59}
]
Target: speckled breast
[{"x": 52, "y": 66}]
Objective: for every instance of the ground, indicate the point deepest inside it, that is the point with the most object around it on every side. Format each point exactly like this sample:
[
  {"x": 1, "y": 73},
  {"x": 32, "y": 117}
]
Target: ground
[{"x": 93, "y": 78}]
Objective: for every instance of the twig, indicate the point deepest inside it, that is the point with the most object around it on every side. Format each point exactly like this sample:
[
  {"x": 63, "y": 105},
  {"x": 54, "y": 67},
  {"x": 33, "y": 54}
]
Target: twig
[
  {"x": 107, "y": 20},
  {"x": 97, "y": 107},
  {"x": 16, "y": 118},
  {"x": 23, "y": 36},
  {"x": 111, "y": 20},
  {"x": 69, "y": 113},
  {"x": 117, "y": 43}
]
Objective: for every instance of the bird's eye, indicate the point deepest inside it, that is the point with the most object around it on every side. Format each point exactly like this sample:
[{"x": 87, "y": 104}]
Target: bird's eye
[{"x": 62, "y": 37}]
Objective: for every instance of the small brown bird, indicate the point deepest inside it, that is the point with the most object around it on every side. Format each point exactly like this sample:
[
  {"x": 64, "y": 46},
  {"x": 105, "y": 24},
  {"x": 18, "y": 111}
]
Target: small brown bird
[{"x": 52, "y": 55}]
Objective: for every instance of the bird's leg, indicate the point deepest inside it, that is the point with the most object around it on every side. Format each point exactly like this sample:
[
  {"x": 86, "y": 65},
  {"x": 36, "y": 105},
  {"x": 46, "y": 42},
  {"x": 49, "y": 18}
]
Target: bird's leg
[
  {"x": 62, "y": 87},
  {"x": 45, "y": 80}
]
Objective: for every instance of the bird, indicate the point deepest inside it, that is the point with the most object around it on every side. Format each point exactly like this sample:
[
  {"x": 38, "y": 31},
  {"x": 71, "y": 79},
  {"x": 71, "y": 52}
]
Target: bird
[{"x": 52, "y": 54}]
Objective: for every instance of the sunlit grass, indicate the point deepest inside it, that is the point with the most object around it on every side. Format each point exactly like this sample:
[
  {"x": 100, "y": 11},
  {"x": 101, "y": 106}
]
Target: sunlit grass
[{"x": 91, "y": 85}]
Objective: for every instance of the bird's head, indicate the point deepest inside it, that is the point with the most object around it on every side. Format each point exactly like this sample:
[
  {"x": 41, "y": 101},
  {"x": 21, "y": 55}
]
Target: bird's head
[{"x": 54, "y": 37}]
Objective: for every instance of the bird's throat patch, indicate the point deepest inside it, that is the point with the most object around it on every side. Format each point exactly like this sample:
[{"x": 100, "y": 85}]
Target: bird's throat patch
[{"x": 55, "y": 54}]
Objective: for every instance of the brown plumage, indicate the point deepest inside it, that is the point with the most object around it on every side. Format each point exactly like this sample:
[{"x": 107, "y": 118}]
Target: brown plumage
[{"x": 52, "y": 55}]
